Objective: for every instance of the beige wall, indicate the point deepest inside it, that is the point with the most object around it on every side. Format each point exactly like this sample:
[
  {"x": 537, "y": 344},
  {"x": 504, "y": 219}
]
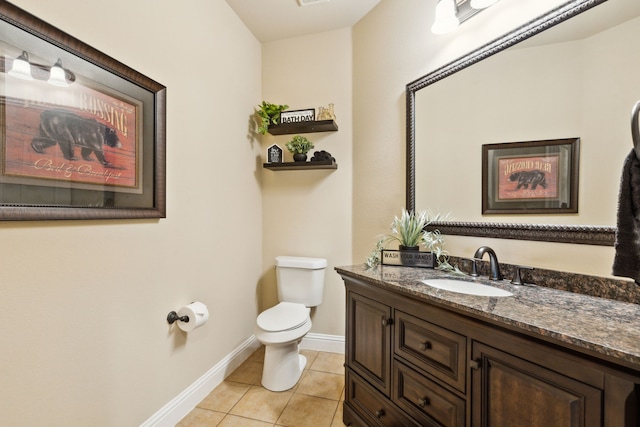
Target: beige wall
[
  {"x": 308, "y": 213},
  {"x": 393, "y": 46},
  {"x": 84, "y": 336}
]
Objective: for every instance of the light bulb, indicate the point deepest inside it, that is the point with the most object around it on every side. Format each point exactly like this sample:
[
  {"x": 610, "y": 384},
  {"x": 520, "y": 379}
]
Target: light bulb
[
  {"x": 446, "y": 17},
  {"x": 57, "y": 75},
  {"x": 21, "y": 67}
]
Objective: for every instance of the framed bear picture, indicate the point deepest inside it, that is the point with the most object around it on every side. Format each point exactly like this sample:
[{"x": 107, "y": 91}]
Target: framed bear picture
[
  {"x": 531, "y": 177},
  {"x": 82, "y": 136}
]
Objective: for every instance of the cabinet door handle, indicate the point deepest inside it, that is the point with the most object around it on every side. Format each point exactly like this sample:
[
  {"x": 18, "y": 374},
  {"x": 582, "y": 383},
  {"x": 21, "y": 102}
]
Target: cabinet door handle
[
  {"x": 474, "y": 364},
  {"x": 425, "y": 345},
  {"x": 380, "y": 413},
  {"x": 387, "y": 321},
  {"x": 424, "y": 402}
]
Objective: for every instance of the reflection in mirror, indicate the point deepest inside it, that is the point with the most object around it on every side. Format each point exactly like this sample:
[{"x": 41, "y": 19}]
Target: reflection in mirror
[{"x": 574, "y": 80}]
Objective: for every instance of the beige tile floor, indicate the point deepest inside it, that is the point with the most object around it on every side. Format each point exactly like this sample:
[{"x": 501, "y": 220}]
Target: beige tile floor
[{"x": 316, "y": 400}]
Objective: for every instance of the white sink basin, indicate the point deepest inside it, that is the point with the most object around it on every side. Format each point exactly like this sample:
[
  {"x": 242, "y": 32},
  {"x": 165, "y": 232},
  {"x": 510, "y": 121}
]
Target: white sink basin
[{"x": 470, "y": 288}]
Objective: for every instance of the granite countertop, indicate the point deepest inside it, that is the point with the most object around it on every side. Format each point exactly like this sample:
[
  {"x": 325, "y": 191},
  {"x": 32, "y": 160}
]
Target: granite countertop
[{"x": 604, "y": 326}]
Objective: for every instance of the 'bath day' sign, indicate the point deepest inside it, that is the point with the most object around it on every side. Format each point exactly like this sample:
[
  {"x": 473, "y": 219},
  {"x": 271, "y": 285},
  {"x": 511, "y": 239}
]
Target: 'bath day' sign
[{"x": 408, "y": 258}]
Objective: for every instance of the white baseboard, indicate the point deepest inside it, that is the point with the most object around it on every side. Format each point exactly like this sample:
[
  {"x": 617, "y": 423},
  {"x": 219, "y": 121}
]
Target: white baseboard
[
  {"x": 181, "y": 405},
  {"x": 321, "y": 342}
]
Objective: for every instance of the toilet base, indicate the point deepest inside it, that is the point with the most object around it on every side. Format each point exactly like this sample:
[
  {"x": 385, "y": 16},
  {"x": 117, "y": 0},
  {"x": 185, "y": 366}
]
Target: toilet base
[{"x": 283, "y": 366}]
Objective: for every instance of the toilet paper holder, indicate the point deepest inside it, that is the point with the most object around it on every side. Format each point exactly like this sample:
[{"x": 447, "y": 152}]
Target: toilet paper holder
[
  {"x": 173, "y": 316},
  {"x": 189, "y": 317}
]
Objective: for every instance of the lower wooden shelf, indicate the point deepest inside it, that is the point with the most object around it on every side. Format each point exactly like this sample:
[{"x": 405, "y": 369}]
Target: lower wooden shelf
[{"x": 297, "y": 166}]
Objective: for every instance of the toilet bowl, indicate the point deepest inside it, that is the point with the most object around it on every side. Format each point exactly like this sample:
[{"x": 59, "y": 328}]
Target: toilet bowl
[{"x": 282, "y": 327}]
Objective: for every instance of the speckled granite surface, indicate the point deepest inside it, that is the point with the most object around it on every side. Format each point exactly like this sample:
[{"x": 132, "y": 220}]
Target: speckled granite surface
[
  {"x": 618, "y": 289},
  {"x": 604, "y": 326}
]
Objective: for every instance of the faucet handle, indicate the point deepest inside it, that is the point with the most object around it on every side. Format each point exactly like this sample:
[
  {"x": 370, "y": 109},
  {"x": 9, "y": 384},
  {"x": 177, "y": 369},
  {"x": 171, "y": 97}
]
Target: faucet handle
[
  {"x": 517, "y": 280},
  {"x": 474, "y": 266}
]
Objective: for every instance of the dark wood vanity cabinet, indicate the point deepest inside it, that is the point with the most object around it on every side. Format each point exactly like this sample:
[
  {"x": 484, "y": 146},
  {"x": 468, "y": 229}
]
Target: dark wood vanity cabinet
[
  {"x": 411, "y": 363},
  {"x": 507, "y": 390}
]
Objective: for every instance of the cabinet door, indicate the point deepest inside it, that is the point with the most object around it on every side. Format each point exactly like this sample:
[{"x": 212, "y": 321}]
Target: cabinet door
[
  {"x": 509, "y": 391},
  {"x": 369, "y": 340}
]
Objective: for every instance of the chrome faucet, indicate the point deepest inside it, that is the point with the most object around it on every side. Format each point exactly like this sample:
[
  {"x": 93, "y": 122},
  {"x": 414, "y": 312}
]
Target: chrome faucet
[{"x": 493, "y": 262}]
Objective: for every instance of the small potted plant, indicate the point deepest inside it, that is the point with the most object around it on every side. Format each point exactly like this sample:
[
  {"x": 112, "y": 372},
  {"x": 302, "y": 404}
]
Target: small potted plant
[
  {"x": 408, "y": 230},
  {"x": 299, "y": 146},
  {"x": 269, "y": 115}
]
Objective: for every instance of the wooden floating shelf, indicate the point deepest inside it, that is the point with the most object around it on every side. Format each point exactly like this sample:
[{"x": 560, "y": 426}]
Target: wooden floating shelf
[
  {"x": 297, "y": 166},
  {"x": 303, "y": 127}
]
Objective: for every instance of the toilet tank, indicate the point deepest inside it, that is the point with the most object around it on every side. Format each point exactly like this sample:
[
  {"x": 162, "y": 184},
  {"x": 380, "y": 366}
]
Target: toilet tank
[{"x": 300, "y": 279}]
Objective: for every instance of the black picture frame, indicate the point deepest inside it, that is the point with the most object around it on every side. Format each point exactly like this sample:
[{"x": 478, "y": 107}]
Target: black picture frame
[
  {"x": 93, "y": 150},
  {"x": 532, "y": 177}
]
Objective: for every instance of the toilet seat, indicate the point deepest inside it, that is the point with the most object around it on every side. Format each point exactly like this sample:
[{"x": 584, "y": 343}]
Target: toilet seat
[{"x": 283, "y": 317}]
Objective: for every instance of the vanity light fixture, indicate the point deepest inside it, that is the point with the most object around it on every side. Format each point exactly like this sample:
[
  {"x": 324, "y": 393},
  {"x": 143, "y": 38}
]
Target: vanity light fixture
[
  {"x": 451, "y": 13},
  {"x": 57, "y": 75},
  {"x": 21, "y": 67}
]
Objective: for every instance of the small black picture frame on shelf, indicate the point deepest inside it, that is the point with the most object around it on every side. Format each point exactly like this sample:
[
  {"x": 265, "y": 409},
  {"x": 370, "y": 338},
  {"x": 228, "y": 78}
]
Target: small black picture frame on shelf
[{"x": 275, "y": 154}]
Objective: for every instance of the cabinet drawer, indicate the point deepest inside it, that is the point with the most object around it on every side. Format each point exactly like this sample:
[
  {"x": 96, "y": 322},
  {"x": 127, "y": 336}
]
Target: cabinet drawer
[
  {"x": 439, "y": 351},
  {"x": 372, "y": 406},
  {"x": 425, "y": 400}
]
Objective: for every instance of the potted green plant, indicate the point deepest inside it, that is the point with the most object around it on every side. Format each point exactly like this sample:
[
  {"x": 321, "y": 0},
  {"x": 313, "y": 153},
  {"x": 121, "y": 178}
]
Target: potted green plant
[
  {"x": 269, "y": 115},
  {"x": 299, "y": 146},
  {"x": 409, "y": 231}
]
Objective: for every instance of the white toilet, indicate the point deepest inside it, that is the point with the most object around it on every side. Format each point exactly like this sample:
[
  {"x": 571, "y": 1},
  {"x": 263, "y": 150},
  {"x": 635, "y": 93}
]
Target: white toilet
[{"x": 281, "y": 328}]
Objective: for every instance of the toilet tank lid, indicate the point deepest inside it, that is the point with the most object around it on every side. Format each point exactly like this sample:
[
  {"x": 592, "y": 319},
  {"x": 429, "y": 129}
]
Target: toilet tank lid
[{"x": 301, "y": 262}]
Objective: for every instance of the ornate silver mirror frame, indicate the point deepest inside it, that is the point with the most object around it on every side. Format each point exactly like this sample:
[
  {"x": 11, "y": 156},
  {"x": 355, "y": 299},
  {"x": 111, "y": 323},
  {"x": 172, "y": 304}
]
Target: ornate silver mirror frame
[{"x": 591, "y": 235}]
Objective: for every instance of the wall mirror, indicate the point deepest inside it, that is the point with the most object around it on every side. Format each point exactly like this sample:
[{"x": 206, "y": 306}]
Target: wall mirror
[{"x": 572, "y": 73}]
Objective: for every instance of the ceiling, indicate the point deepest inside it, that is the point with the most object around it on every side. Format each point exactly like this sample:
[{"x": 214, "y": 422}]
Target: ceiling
[{"x": 271, "y": 20}]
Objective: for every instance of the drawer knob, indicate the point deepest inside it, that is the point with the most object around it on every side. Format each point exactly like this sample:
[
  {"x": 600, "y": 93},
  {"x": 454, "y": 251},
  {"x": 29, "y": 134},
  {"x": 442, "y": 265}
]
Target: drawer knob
[
  {"x": 425, "y": 345},
  {"x": 380, "y": 413},
  {"x": 474, "y": 364},
  {"x": 424, "y": 402},
  {"x": 387, "y": 321}
]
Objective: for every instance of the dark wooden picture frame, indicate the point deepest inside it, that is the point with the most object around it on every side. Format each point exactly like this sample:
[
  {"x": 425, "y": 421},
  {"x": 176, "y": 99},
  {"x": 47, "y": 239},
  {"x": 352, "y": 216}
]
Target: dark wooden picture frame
[
  {"x": 533, "y": 177},
  {"x": 91, "y": 145}
]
